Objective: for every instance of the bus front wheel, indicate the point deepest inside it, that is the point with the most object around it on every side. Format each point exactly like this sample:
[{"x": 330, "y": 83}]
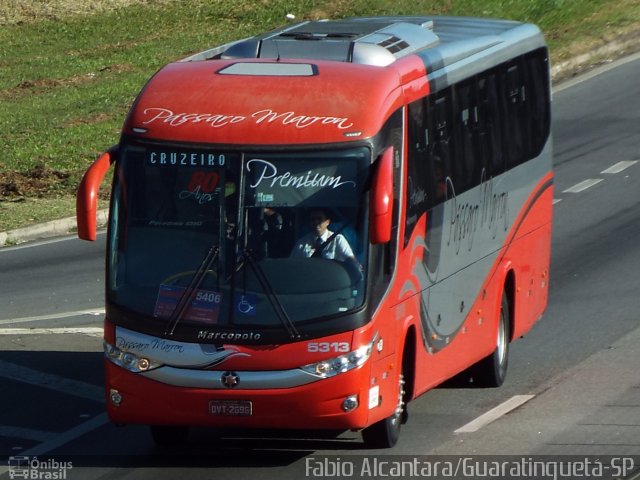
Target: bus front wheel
[{"x": 385, "y": 433}]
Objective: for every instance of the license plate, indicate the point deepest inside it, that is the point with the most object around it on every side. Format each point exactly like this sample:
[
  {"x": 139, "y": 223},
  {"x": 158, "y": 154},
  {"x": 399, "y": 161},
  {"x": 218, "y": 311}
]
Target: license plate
[{"x": 242, "y": 408}]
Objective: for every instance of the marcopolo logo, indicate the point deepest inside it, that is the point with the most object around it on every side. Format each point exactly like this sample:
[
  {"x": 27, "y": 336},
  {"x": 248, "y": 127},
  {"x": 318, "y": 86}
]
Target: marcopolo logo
[{"x": 33, "y": 468}]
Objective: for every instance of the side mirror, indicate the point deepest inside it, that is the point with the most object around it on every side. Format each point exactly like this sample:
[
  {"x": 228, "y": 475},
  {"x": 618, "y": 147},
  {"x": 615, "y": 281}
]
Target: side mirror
[
  {"x": 87, "y": 196},
  {"x": 381, "y": 199}
]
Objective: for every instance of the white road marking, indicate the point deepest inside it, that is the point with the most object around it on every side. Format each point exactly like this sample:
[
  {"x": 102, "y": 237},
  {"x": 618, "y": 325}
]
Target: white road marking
[
  {"x": 495, "y": 413},
  {"x": 51, "y": 440},
  {"x": 25, "y": 433},
  {"x": 68, "y": 436},
  {"x": 588, "y": 183},
  {"x": 91, "y": 331},
  {"x": 27, "y": 375},
  {"x": 53, "y": 316},
  {"x": 595, "y": 72},
  {"x": 38, "y": 243},
  {"x": 556, "y": 200},
  {"x": 620, "y": 166},
  {"x": 635, "y": 477}
]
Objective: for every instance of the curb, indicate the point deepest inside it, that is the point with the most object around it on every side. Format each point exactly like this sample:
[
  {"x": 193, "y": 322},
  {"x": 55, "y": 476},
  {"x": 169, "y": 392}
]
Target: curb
[
  {"x": 54, "y": 228},
  {"x": 614, "y": 50}
]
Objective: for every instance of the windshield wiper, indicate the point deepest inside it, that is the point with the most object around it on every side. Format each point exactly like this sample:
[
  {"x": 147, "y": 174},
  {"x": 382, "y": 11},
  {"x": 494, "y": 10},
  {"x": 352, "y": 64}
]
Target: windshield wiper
[
  {"x": 283, "y": 316},
  {"x": 187, "y": 296}
]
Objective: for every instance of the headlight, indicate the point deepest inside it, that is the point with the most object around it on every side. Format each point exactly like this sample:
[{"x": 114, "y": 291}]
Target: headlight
[
  {"x": 128, "y": 360},
  {"x": 343, "y": 363}
]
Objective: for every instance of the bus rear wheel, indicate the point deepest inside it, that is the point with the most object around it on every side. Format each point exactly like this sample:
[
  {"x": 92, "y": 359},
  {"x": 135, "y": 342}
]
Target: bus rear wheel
[
  {"x": 385, "y": 433},
  {"x": 492, "y": 370}
]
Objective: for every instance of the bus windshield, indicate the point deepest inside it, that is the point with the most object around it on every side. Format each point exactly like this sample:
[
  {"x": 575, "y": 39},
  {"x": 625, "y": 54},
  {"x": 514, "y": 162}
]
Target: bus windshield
[{"x": 210, "y": 239}]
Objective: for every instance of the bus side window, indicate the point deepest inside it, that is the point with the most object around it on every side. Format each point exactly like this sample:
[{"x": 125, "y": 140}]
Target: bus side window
[
  {"x": 514, "y": 95},
  {"x": 538, "y": 99},
  {"x": 490, "y": 130},
  {"x": 419, "y": 196},
  {"x": 467, "y": 165},
  {"x": 441, "y": 151}
]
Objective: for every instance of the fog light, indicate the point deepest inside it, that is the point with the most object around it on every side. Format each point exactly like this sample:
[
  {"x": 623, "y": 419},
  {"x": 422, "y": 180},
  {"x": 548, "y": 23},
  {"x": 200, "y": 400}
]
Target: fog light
[
  {"x": 350, "y": 403},
  {"x": 115, "y": 397}
]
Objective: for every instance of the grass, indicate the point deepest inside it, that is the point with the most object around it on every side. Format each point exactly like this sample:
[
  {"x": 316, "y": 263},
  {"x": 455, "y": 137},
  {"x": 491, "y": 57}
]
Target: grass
[
  {"x": 37, "y": 210},
  {"x": 69, "y": 69}
]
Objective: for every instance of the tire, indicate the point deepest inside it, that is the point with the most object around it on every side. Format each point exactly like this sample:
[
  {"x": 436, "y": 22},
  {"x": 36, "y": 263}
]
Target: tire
[
  {"x": 492, "y": 371},
  {"x": 385, "y": 433},
  {"x": 169, "y": 435}
]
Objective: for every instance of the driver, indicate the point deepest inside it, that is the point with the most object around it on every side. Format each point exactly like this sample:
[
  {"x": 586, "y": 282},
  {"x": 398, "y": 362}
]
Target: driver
[{"x": 322, "y": 242}]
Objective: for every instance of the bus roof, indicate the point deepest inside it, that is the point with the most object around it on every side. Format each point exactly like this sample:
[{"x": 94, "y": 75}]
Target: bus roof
[{"x": 319, "y": 81}]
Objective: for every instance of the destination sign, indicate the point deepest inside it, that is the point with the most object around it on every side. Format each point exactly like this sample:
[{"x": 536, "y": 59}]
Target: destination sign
[{"x": 188, "y": 158}]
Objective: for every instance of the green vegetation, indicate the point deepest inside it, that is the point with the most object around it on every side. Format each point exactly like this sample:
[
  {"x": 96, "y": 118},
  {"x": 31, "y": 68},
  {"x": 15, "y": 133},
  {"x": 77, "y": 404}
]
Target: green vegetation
[{"x": 69, "y": 72}]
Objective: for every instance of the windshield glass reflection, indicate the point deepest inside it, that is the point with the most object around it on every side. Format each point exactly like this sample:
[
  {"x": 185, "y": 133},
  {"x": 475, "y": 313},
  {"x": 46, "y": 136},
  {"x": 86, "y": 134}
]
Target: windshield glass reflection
[{"x": 223, "y": 238}]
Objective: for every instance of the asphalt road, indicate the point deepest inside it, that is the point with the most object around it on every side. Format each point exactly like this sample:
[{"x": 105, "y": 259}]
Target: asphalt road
[{"x": 51, "y": 405}]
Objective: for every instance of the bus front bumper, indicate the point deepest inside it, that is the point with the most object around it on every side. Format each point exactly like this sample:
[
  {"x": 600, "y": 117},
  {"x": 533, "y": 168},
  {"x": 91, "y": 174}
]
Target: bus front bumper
[{"x": 339, "y": 402}]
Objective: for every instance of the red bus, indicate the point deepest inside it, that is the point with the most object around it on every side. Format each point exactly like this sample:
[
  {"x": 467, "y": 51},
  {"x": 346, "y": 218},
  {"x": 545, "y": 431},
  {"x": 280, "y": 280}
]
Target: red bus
[{"x": 417, "y": 149}]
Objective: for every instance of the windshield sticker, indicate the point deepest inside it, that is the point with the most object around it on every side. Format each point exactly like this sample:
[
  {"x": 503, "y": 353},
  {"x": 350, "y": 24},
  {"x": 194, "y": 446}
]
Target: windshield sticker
[
  {"x": 264, "y": 197},
  {"x": 268, "y": 116},
  {"x": 201, "y": 187},
  {"x": 246, "y": 304},
  {"x": 177, "y": 223},
  {"x": 204, "y": 308},
  {"x": 295, "y": 182}
]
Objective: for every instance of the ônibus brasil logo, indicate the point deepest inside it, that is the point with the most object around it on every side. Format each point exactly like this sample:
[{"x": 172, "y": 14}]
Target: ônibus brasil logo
[{"x": 33, "y": 468}]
